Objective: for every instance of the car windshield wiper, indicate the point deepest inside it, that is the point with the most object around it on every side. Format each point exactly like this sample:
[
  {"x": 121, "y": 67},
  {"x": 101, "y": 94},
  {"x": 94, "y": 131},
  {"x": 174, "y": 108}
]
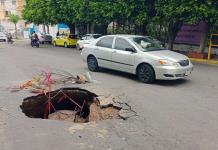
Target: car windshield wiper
[{"x": 156, "y": 49}]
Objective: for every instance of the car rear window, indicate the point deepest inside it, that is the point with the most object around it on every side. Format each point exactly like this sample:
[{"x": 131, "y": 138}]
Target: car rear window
[
  {"x": 96, "y": 36},
  {"x": 105, "y": 42},
  {"x": 73, "y": 36}
]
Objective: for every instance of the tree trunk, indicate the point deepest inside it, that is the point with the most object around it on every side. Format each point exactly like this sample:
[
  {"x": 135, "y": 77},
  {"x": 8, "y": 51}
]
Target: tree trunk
[
  {"x": 48, "y": 30},
  {"x": 173, "y": 29},
  {"x": 88, "y": 28},
  {"x": 82, "y": 28},
  {"x": 170, "y": 42},
  {"x": 105, "y": 29},
  {"x": 144, "y": 29},
  {"x": 72, "y": 28},
  {"x": 204, "y": 37},
  {"x": 43, "y": 28},
  {"x": 92, "y": 28},
  {"x": 15, "y": 30},
  {"x": 129, "y": 26},
  {"x": 113, "y": 27},
  {"x": 123, "y": 25}
]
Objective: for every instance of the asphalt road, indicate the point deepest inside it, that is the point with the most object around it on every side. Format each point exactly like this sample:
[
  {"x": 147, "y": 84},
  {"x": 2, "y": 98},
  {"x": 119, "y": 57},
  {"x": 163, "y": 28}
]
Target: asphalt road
[{"x": 172, "y": 115}]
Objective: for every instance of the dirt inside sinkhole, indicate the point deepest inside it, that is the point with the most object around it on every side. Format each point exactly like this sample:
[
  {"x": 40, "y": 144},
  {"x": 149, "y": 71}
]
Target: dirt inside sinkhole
[{"x": 68, "y": 104}]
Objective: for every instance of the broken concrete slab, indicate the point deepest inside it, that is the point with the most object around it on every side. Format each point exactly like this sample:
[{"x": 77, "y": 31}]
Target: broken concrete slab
[
  {"x": 125, "y": 114},
  {"x": 105, "y": 101}
]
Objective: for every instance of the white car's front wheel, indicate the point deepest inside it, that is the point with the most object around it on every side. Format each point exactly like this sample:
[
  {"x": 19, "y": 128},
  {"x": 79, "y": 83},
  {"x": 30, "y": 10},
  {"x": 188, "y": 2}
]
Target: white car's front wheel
[{"x": 145, "y": 73}]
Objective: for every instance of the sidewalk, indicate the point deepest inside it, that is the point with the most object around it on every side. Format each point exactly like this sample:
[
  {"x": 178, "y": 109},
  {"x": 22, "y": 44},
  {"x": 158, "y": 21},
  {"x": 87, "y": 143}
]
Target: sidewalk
[
  {"x": 205, "y": 61},
  {"x": 183, "y": 48}
]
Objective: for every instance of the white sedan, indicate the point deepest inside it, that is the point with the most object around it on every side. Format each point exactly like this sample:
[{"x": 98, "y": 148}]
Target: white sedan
[
  {"x": 86, "y": 39},
  {"x": 3, "y": 37},
  {"x": 136, "y": 55}
]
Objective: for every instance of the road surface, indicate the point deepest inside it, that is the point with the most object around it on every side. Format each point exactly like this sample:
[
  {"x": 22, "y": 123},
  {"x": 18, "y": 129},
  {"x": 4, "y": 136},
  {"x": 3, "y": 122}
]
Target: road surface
[{"x": 172, "y": 115}]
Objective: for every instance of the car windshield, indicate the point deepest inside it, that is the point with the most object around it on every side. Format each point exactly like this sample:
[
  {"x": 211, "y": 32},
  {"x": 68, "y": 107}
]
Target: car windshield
[
  {"x": 72, "y": 36},
  {"x": 96, "y": 36},
  {"x": 147, "y": 44}
]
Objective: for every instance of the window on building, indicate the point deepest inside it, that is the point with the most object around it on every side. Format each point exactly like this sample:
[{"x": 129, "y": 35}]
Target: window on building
[
  {"x": 7, "y": 13},
  {"x": 14, "y": 2},
  {"x": 2, "y": 2}
]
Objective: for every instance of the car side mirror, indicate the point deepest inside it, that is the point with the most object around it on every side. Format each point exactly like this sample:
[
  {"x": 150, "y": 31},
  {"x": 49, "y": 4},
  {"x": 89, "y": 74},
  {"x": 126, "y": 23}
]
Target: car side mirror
[{"x": 130, "y": 50}]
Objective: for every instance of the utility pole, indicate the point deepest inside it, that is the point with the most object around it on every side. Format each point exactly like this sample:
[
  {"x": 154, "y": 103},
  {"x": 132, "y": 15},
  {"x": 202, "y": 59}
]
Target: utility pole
[{"x": 0, "y": 25}]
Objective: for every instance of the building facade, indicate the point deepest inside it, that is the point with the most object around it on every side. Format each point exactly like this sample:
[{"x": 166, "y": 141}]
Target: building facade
[{"x": 8, "y": 7}]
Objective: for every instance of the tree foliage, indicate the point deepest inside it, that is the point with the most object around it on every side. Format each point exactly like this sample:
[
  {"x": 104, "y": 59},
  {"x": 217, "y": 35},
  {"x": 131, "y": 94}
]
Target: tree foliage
[
  {"x": 131, "y": 16},
  {"x": 14, "y": 19}
]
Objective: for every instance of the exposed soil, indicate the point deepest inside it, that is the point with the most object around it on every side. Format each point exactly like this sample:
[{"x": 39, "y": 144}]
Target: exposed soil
[{"x": 68, "y": 104}]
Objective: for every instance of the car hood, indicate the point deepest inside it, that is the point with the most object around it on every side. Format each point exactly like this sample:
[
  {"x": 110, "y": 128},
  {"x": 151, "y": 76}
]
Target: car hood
[{"x": 167, "y": 54}]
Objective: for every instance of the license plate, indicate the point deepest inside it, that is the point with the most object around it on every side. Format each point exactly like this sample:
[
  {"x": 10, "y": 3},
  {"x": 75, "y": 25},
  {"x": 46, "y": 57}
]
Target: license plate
[{"x": 188, "y": 72}]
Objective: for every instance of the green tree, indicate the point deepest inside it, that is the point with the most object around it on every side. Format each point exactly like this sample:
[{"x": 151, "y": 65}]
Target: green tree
[
  {"x": 207, "y": 12},
  {"x": 37, "y": 11},
  {"x": 174, "y": 13},
  {"x": 14, "y": 19}
]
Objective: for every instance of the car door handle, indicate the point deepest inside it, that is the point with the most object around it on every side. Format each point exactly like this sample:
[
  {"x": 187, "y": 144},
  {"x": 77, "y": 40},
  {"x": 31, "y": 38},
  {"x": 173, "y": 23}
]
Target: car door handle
[{"x": 114, "y": 52}]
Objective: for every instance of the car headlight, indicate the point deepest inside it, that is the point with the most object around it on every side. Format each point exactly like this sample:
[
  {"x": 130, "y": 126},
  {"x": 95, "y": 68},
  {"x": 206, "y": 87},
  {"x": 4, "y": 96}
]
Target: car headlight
[{"x": 166, "y": 62}]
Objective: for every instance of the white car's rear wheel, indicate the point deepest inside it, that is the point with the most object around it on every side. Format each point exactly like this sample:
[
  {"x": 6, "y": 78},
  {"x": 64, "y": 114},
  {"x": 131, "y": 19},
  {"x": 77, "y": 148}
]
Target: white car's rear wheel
[
  {"x": 54, "y": 43},
  {"x": 145, "y": 73},
  {"x": 65, "y": 45},
  {"x": 92, "y": 64},
  {"x": 77, "y": 47}
]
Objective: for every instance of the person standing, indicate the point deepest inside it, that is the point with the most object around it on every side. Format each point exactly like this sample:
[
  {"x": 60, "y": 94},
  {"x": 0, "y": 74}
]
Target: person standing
[{"x": 9, "y": 38}]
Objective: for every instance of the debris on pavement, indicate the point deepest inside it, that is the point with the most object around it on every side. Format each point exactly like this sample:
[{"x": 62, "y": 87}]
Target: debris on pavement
[{"x": 39, "y": 82}]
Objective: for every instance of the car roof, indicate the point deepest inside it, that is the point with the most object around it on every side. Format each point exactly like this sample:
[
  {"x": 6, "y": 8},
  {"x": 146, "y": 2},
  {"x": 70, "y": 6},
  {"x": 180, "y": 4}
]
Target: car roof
[
  {"x": 126, "y": 35},
  {"x": 93, "y": 34}
]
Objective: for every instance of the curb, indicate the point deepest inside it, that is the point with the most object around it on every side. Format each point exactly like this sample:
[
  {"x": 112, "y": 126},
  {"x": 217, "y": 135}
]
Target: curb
[{"x": 205, "y": 61}]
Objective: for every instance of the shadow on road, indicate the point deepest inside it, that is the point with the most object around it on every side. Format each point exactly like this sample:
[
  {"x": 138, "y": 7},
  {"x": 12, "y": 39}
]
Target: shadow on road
[
  {"x": 134, "y": 78},
  {"x": 119, "y": 74},
  {"x": 171, "y": 82}
]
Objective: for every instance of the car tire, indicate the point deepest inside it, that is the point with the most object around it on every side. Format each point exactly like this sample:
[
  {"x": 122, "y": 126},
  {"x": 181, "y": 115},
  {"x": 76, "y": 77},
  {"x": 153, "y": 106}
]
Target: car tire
[
  {"x": 145, "y": 73},
  {"x": 77, "y": 47},
  {"x": 54, "y": 43},
  {"x": 92, "y": 64},
  {"x": 65, "y": 45}
]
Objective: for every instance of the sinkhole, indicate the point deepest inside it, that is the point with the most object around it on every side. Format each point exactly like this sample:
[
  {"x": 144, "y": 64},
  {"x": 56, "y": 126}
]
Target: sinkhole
[{"x": 69, "y": 104}]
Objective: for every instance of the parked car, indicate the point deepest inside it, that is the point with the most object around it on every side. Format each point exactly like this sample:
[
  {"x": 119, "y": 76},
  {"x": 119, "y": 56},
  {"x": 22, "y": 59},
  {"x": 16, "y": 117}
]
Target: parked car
[
  {"x": 65, "y": 40},
  {"x": 3, "y": 37},
  {"x": 86, "y": 39},
  {"x": 155, "y": 40},
  {"x": 137, "y": 55},
  {"x": 44, "y": 38}
]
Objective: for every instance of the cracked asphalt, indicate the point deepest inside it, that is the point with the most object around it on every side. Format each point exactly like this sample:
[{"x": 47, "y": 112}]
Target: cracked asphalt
[{"x": 172, "y": 115}]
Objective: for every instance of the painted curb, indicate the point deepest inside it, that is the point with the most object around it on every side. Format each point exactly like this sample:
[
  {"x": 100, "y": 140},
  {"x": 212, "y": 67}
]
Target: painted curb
[{"x": 205, "y": 61}]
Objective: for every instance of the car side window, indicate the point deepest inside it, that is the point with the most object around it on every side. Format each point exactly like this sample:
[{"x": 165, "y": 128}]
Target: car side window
[
  {"x": 105, "y": 42},
  {"x": 122, "y": 44},
  {"x": 89, "y": 37},
  {"x": 83, "y": 38}
]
